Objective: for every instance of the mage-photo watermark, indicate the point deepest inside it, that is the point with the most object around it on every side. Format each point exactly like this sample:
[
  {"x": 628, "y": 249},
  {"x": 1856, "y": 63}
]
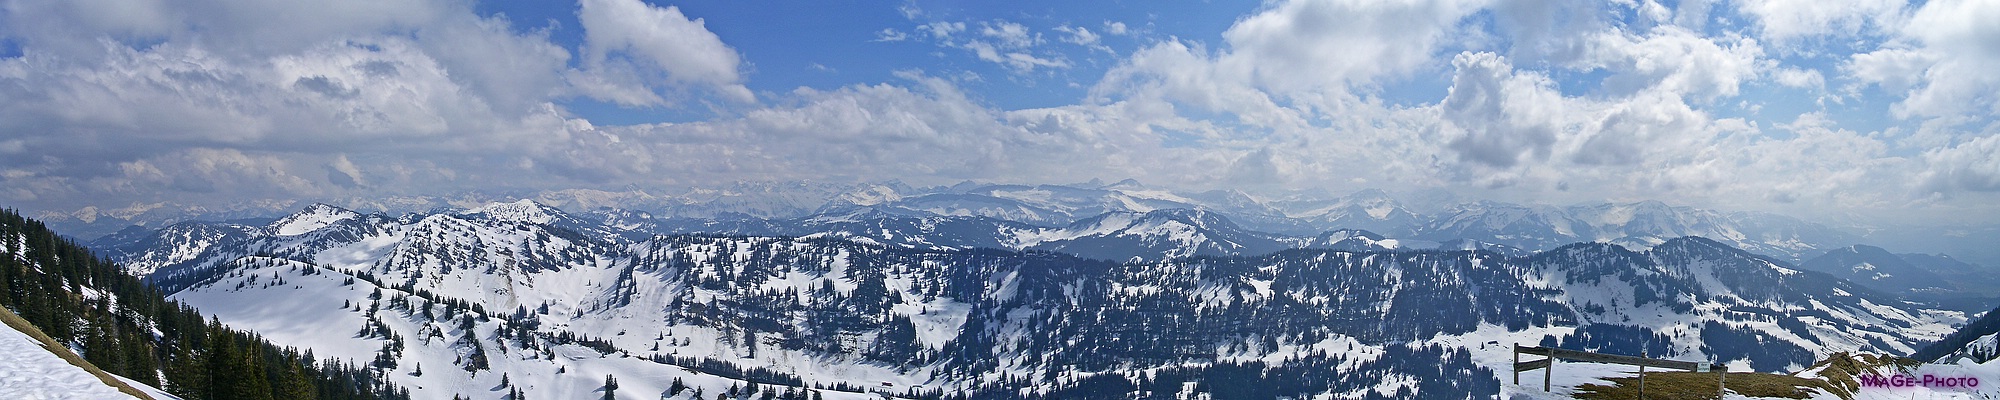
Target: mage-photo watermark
[{"x": 1913, "y": 381}]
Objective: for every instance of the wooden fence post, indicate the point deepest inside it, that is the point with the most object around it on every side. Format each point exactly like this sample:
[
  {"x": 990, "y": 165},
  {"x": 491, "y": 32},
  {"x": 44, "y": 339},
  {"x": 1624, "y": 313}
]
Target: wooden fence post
[
  {"x": 1721, "y": 375},
  {"x": 1642, "y": 375},
  {"x": 1551, "y": 371}
]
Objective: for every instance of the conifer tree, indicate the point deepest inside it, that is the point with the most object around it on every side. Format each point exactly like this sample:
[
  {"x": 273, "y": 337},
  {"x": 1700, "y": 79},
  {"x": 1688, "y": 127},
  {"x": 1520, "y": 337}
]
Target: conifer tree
[{"x": 294, "y": 384}]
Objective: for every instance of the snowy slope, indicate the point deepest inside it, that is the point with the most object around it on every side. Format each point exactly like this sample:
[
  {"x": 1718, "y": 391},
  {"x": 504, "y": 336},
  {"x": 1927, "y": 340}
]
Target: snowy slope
[
  {"x": 30, "y": 371},
  {"x": 1637, "y": 225},
  {"x": 322, "y": 308}
]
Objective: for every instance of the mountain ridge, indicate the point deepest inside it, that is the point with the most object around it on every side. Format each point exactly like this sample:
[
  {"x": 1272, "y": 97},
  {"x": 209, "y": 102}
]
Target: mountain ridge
[
  {"x": 1537, "y": 227},
  {"x": 980, "y": 319}
]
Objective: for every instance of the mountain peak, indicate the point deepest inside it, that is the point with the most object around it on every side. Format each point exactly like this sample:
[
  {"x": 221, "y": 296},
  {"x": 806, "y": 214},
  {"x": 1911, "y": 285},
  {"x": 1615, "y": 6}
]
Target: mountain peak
[
  {"x": 1865, "y": 250},
  {"x": 1343, "y": 234},
  {"x": 1127, "y": 183},
  {"x": 870, "y": 195},
  {"x": 523, "y": 210},
  {"x": 313, "y": 217},
  {"x": 1196, "y": 216},
  {"x": 1369, "y": 194}
]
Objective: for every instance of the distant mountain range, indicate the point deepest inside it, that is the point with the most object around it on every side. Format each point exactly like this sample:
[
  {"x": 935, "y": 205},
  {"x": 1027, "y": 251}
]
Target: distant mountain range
[
  {"x": 1060, "y": 205},
  {"x": 1130, "y": 221},
  {"x": 905, "y": 296}
]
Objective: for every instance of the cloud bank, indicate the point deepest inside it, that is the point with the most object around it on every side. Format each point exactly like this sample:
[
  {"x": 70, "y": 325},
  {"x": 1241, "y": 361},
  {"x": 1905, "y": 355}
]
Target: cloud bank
[{"x": 1875, "y": 108}]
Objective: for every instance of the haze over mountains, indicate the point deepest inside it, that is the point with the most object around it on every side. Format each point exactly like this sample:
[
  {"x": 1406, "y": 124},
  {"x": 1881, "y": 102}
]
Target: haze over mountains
[{"x": 799, "y": 208}]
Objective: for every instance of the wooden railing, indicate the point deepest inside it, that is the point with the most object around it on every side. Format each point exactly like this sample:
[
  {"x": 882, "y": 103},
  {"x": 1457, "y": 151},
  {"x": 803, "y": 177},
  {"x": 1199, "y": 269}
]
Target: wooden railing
[{"x": 1551, "y": 354}]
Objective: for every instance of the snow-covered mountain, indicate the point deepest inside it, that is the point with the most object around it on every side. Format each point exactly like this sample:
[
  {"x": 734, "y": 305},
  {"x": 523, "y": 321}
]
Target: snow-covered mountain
[
  {"x": 1370, "y": 210},
  {"x": 1356, "y": 241},
  {"x": 1045, "y": 205},
  {"x": 1977, "y": 341},
  {"x": 1967, "y": 277},
  {"x": 1636, "y": 225},
  {"x": 551, "y": 302},
  {"x": 1927, "y": 277},
  {"x": 1151, "y": 236},
  {"x": 1527, "y": 227},
  {"x": 768, "y": 208},
  {"x": 1880, "y": 270},
  {"x": 143, "y": 251}
]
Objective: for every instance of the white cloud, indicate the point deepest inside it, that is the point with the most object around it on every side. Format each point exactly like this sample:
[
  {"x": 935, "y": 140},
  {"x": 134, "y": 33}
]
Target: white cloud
[
  {"x": 1969, "y": 166},
  {"x": 1115, "y": 28},
  {"x": 71, "y": 29},
  {"x": 1083, "y": 37},
  {"x": 126, "y": 103},
  {"x": 1959, "y": 36},
  {"x": 1504, "y": 117},
  {"x": 1840, "y": 163},
  {"x": 1800, "y": 78},
  {"x": 1550, "y": 31},
  {"x": 1179, "y": 73},
  {"x": 1645, "y": 128},
  {"x": 654, "y": 40},
  {"x": 511, "y": 73},
  {"x": 1788, "y": 20},
  {"x": 1336, "y": 43},
  {"x": 1009, "y": 44},
  {"x": 207, "y": 170},
  {"x": 208, "y": 109},
  {"x": 1311, "y": 54},
  {"x": 942, "y": 30},
  {"x": 891, "y": 35},
  {"x": 1895, "y": 69},
  {"x": 1673, "y": 59},
  {"x": 1009, "y": 35}
]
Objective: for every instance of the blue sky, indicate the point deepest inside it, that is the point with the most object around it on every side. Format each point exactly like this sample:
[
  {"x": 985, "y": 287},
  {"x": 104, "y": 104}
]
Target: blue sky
[{"x": 1869, "y": 110}]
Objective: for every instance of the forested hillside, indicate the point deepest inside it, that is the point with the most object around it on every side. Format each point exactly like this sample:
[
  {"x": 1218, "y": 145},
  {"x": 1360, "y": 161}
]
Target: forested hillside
[{"x": 128, "y": 328}]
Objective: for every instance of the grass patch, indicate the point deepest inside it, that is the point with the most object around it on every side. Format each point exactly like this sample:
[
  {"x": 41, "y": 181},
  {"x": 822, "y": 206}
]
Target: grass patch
[
  {"x": 50, "y": 344},
  {"x": 1840, "y": 370},
  {"x": 1701, "y": 386}
]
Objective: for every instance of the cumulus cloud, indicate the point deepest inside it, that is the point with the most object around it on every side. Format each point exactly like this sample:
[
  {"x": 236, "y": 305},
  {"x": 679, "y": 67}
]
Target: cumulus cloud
[
  {"x": 1547, "y": 30},
  {"x": 1333, "y": 44},
  {"x": 1958, "y": 37},
  {"x": 1531, "y": 101},
  {"x": 1674, "y": 59},
  {"x": 210, "y": 101},
  {"x": 643, "y": 41},
  {"x": 1800, "y": 78},
  {"x": 1895, "y": 69},
  {"x": 1968, "y": 166},
  {"x": 1312, "y": 54},
  {"x": 72, "y": 29},
  {"x": 1115, "y": 28},
  {"x": 1082, "y": 36},
  {"x": 1788, "y": 20},
  {"x": 1505, "y": 117}
]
